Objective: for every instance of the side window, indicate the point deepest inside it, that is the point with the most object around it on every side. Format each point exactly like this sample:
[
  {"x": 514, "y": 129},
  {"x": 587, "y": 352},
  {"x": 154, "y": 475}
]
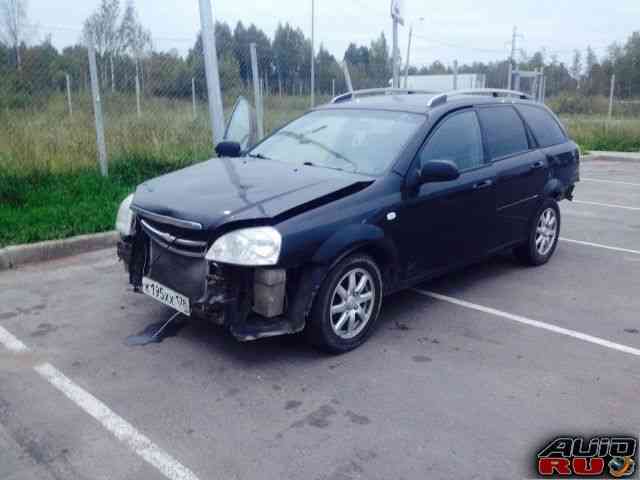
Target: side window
[
  {"x": 459, "y": 139},
  {"x": 504, "y": 131},
  {"x": 544, "y": 126}
]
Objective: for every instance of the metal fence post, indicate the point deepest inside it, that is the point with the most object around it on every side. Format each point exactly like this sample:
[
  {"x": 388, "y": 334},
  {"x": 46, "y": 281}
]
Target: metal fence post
[
  {"x": 396, "y": 66},
  {"x": 212, "y": 73},
  {"x": 313, "y": 55},
  {"x": 455, "y": 75},
  {"x": 256, "y": 90},
  {"x": 611, "y": 95},
  {"x": 138, "y": 109},
  {"x": 406, "y": 68},
  {"x": 97, "y": 109},
  {"x": 69, "y": 104},
  {"x": 333, "y": 87},
  {"x": 193, "y": 98}
]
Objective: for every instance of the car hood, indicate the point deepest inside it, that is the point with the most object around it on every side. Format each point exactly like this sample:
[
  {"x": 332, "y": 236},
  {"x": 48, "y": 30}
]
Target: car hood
[{"x": 226, "y": 190}]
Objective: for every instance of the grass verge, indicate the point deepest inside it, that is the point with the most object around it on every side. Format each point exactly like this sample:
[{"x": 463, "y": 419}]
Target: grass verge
[{"x": 39, "y": 205}]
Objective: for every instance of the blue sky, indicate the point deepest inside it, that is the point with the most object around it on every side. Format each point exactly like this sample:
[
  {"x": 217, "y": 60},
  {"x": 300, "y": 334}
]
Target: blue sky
[{"x": 453, "y": 29}]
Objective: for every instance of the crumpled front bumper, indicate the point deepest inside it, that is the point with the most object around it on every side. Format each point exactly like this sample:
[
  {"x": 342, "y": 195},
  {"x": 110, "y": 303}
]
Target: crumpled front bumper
[{"x": 223, "y": 294}]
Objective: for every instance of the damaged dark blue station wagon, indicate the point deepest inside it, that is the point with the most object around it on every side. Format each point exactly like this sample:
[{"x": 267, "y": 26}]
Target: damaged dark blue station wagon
[{"x": 309, "y": 229}]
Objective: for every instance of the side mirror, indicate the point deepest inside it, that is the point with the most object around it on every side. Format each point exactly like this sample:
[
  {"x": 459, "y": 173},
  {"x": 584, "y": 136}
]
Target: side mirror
[
  {"x": 228, "y": 149},
  {"x": 439, "y": 171}
]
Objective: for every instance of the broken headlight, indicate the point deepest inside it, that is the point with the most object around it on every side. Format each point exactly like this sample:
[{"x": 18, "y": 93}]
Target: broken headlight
[
  {"x": 124, "y": 220},
  {"x": 250, "y": 247}
]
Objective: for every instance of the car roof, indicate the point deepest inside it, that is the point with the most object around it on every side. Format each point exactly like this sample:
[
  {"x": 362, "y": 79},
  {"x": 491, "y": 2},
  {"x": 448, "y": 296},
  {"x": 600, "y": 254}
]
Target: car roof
[{"x": 417, "y": 102}]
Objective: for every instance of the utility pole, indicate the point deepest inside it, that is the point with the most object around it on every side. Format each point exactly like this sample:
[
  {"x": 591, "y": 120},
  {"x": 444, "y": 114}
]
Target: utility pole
[
  {"x": 397, "y": 16},
  {"x": 313, "y": 55},
  {"x": 512, "y": 58},
  {"x": 406, "y": 68},
  {"x": 211, "y": 70},
  {"x": 396, "y": 70}
]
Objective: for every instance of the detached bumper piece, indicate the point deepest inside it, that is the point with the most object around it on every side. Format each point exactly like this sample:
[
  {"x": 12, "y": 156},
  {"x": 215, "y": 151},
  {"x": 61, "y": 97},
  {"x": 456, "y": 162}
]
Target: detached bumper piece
[{"x": 252, "y": 302}]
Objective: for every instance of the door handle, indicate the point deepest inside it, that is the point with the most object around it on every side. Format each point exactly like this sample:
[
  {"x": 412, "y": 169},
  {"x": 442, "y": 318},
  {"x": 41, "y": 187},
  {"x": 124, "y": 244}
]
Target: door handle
[
  {"x": 536, "y": 165},
  {"x": 483, "y": 184}
]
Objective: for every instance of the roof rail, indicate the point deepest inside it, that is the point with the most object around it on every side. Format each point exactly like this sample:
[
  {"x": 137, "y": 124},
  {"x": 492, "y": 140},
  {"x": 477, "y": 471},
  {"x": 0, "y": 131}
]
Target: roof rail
[
  {"x": 495, "y": 92},
  {"x": 379, "y": 91}
]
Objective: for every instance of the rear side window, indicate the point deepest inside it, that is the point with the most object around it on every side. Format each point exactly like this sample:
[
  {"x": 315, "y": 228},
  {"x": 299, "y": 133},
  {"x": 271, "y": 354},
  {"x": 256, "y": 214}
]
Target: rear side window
[
  {"x": 457, "y": 139},
  {"x": 544, "y": 126},
  {"x": 504, "y": 131}
]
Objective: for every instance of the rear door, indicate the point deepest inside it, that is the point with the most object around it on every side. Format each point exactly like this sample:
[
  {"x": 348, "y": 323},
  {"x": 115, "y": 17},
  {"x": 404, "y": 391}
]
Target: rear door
[
  {"x": 521, "y": 172},
  {"x": 445, "y": 224},
  {"x": 561, "y": 153}
]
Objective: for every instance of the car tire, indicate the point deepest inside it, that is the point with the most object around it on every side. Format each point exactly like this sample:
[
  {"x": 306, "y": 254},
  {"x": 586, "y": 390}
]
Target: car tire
[
  {"x": 347, "y": 305},
  {"x": 544, "y": 231}
]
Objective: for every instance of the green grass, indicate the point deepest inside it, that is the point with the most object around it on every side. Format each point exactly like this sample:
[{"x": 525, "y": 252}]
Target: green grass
[
  {"x": 40, "y": 206},
  {"x": 598, "y": 133}
]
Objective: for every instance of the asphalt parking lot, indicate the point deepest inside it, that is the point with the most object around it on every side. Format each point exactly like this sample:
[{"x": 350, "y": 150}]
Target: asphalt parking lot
[{"x": 466, "y": 383}]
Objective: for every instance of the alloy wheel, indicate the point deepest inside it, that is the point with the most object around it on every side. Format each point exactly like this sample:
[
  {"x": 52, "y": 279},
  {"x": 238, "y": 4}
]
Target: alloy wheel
[
  {"x": 546, "y": 231},
  {"x": 352, "y": 303}
]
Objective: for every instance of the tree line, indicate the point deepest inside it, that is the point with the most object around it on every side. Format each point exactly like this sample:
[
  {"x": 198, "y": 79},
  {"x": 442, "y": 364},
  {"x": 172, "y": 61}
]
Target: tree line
[{"x": 125, "y": 51}]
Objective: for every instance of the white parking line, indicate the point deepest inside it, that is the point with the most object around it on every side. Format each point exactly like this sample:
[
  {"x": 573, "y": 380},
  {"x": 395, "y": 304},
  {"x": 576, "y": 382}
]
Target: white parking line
[
  {"x": 599, "y": 245},
  {"x": 615, "y": 182},
  {"x": 11, "y": 342},
  {"x": 119, "y": 427},
  {"x": 608, "y": 205},
  {"x": 123, "y": 430},
  {"x": 533, "y": 323}
]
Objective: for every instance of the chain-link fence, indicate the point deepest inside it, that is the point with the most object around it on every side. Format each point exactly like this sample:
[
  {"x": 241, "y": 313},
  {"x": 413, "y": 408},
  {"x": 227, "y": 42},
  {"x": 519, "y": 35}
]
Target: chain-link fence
[{"x": 154, "y": 99}]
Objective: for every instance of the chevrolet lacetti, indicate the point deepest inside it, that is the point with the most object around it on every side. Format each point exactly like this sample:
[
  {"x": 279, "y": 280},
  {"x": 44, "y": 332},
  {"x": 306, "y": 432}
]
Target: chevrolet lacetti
[{"x": 308, "y": 230}]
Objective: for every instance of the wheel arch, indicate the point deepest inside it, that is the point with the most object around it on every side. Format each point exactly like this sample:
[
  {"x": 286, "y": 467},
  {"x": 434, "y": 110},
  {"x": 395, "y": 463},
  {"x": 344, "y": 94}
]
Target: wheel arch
[
  {"x": 554, "y": 189},
  {"x": 363, "y": 238}
]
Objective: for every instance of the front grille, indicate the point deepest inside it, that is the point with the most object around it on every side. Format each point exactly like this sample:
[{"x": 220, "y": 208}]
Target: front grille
[
  {"x": 185, "y": 274},
  {"x": 172, "y": 242}
]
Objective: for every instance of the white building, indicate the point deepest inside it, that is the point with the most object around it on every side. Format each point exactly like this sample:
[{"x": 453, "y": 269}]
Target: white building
[{"x": 444, "y": 83}]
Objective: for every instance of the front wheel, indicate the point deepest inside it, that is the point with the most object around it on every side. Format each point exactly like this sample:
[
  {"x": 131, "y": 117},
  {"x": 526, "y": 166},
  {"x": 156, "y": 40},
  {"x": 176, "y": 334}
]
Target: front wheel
[
  {"x": 544, "y": 232},
  {"x": 347, "y": 305}
]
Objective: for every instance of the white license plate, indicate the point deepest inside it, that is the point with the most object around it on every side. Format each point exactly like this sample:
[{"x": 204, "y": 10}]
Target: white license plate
[{"x": 165, "y": 295}]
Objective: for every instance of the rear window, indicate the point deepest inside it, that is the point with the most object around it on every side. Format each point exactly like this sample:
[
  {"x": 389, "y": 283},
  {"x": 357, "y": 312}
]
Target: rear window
[
  {"x": 504, "y": 131},
  {"x": 544, "y": 126}
]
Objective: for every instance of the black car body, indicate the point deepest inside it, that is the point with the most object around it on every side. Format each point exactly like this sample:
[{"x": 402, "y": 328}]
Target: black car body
[{"x": 472, "y": 177}]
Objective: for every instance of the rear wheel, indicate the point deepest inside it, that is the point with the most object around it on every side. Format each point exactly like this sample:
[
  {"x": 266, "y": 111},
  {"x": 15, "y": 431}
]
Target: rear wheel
[
  {"x": 347, "y": 305},
  {"x": 544, "y": 232}
]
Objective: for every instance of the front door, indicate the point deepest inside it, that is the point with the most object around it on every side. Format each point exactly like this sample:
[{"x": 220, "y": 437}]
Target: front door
[{"x": 445, "y": 224}]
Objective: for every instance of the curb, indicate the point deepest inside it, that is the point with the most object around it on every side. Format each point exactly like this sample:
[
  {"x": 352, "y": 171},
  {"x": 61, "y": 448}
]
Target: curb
[
  {"x": 613, "y": 156},
  {"x": 15, "y": 256}
]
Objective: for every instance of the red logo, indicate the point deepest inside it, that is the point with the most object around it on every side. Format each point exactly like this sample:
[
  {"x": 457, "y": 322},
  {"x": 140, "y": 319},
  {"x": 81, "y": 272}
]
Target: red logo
[{"x": 569, "y": 456}]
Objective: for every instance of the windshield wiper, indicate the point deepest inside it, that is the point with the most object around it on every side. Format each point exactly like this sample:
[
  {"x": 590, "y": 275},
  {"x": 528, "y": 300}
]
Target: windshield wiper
[
  {"x": 311, "y": 164},
  {"x": 259, "y": 155}
]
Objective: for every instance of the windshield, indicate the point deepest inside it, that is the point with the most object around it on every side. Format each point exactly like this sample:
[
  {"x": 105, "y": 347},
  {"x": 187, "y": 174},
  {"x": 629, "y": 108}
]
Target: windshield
[{"x": 359, "y": 141}]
